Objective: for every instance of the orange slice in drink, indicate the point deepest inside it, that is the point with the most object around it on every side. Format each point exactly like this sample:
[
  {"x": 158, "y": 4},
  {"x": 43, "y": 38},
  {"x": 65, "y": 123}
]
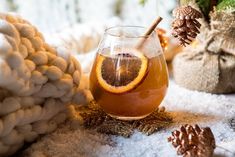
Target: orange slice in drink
[{"x": 121, "y": 72}]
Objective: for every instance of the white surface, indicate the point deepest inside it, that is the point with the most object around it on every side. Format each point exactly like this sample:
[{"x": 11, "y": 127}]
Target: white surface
[{"x": 186, "y": 106}]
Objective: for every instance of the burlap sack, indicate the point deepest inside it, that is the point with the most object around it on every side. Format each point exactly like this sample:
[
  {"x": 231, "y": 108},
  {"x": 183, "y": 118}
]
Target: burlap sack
[{"x": 209, "y": 64}]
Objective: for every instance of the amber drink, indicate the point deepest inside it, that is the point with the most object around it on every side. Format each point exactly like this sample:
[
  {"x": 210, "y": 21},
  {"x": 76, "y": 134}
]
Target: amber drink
[{"x": 129, "y": 83}]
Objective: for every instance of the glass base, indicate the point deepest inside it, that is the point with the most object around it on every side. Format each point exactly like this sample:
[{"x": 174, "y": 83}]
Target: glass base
[{"x": 128, "y": 118}]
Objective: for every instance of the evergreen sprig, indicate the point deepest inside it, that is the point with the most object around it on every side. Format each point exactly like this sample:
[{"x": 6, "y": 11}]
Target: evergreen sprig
[
  {"x": 204, "y": 5},
  {"x": 226, "y": 5},
  {"x": 142, "y": 2}
]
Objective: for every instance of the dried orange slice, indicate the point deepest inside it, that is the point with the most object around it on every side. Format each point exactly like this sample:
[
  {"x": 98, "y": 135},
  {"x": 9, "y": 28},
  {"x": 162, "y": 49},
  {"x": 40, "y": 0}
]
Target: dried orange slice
[{"x": 122, "y": 72}]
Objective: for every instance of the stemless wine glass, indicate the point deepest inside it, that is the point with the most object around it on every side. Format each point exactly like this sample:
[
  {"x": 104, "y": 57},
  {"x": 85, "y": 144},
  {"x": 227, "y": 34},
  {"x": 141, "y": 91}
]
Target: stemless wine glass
[{"x": 127, "y": 80}]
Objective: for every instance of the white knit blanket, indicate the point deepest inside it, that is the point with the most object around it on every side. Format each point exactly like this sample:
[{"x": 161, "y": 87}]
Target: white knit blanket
[{"x": 186, "y": 107}]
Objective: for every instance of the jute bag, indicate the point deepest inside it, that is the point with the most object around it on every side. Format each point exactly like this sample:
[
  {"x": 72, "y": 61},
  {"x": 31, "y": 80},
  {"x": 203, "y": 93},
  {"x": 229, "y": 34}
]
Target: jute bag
[{"x": 209, "y": 63}]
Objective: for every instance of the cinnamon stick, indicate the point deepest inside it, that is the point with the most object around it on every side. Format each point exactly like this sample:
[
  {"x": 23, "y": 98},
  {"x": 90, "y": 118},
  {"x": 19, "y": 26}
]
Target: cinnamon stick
[{"x": 149, "y": 31}]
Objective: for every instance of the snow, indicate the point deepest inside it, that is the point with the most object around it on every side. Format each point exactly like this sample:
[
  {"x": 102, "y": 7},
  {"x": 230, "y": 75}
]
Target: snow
[{"x": 186, "y": 107}]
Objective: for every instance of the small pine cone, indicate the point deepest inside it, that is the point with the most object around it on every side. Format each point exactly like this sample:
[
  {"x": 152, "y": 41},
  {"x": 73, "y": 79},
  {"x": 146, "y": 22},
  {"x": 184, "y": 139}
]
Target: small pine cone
[
  {"x": 185, "y": 27},
  {"x": 232, "y": 123},
  {"x": 193, "y": 141},
  {"x": 186, "y": 12}
]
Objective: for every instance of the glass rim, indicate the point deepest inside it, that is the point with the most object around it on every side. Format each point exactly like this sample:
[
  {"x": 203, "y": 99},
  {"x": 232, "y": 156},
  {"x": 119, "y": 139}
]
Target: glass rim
[{"x": 108, "y": 31}]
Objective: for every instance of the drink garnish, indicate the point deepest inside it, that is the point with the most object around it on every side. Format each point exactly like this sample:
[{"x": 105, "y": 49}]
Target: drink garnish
[{"x": 122, "y": 72}]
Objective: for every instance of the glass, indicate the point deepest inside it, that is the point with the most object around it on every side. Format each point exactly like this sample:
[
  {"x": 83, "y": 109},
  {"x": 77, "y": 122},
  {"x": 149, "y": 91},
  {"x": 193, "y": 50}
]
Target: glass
[{"x": 128, "y": 82}]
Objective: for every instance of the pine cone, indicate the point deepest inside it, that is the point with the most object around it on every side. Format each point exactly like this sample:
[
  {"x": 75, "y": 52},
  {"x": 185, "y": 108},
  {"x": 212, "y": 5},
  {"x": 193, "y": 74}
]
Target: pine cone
[
  {"x": 193, "y": 141},
  {"x": 232, "y": 123},
  {"x": 185, "y": 27}
]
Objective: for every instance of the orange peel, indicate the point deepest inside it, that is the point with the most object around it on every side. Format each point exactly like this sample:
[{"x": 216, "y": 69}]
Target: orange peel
[{"x": 136, "y": 59}]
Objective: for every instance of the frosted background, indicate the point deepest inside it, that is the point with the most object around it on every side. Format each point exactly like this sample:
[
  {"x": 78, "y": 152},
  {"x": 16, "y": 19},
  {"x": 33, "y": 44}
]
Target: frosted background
[{"x": 53, "y": 15}]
